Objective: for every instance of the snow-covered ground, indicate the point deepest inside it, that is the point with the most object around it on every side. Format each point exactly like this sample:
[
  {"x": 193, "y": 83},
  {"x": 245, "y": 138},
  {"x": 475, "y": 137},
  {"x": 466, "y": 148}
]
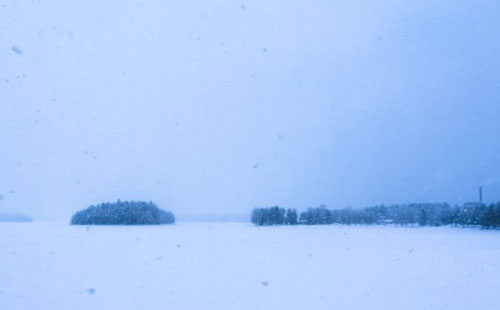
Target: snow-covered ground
[{"x": 239, "y": 266}]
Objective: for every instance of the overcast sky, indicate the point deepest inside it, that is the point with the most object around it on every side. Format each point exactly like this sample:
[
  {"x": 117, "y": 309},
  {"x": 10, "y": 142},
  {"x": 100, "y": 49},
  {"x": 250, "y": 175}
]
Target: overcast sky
[{"x": 219, "y": 106}]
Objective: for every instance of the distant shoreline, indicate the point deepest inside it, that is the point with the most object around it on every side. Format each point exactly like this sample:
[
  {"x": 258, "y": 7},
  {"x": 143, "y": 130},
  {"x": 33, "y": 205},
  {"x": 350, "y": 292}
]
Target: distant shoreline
[{"x": 12, "y": 217}]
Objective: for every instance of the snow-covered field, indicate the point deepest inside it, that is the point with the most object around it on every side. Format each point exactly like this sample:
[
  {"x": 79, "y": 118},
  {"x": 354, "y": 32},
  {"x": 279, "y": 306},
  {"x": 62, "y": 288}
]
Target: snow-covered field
[{"x": 239, "y": 266}]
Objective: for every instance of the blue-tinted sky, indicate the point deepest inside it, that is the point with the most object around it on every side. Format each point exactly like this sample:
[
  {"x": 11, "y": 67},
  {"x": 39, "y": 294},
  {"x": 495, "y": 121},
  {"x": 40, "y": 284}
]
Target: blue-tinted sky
[{"x": 220, "y": 106}]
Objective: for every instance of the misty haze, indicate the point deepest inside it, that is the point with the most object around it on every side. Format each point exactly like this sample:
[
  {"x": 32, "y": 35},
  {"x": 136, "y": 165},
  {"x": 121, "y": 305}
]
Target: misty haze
[{"x": 249, "y": 154}]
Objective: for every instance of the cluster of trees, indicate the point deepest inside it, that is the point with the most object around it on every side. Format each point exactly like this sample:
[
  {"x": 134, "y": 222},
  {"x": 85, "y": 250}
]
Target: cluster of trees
[
  {"x": 274, "y": 216},
  {"x": 123, "y": 213},
  {"x": 412, "y": 214},
  {"x": 491, "y": 216},
  {"x": 422, "y": 214}
]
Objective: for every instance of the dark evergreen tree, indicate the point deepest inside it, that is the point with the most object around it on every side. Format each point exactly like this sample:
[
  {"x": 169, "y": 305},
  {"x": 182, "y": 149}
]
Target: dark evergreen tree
[{"x": 291, "y": 217}]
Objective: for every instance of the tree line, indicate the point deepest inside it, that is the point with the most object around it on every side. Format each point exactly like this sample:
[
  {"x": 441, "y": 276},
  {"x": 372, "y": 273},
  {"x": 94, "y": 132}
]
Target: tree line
[
  {"x": 123, "y": 213},
  {"x": 421, "y": 214},
  {"x": 274, "y": 216}
]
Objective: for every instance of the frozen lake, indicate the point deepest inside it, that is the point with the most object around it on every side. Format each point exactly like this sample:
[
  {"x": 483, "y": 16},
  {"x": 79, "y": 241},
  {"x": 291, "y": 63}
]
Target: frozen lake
[{"x": 240, "y": 266}]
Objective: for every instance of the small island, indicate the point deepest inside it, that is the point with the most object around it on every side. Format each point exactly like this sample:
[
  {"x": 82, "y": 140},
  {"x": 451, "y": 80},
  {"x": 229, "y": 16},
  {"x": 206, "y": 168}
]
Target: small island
[{"x": 123, "y": 213}]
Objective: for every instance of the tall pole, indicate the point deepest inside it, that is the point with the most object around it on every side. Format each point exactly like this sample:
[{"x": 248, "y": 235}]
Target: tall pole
[{"x": 481, "y": 195}]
